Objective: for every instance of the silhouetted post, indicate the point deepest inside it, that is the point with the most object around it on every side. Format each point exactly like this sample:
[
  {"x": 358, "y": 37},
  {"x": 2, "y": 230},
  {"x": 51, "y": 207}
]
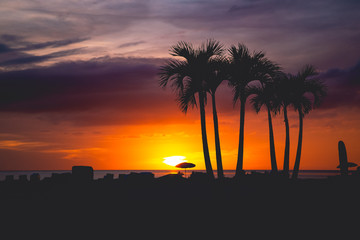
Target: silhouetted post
[
  {"x": 35, "y": 177},
  {"x": 343, "y": 159},
  {"x": 82, "y": 173},
  {"x": 9, "y": 178},
  {"x": 109, "y": 177},
  {"x": 23, "y": 178}
]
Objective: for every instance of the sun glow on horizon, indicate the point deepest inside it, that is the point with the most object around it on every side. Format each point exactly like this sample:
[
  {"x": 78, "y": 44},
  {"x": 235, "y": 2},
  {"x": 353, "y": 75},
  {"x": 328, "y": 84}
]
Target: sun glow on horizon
[{"x": 174, "y": 160}]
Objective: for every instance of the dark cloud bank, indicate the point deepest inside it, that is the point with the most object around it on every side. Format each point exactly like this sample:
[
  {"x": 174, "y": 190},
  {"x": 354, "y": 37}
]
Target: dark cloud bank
[
  {"x": 127, "y": 86},
  {"x": 81, "y": 91},
  {"x": 343, "y": 87}
]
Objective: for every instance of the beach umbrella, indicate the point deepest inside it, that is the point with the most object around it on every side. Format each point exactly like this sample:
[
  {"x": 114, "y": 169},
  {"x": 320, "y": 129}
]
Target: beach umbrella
[
  {"x": 349, "y": 164},
  {"x": 185, "y": 165}
]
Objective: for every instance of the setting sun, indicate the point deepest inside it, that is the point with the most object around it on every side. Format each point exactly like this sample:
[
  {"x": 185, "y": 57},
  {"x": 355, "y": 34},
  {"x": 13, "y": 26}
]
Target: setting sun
[{"x": 174, "y": 160}]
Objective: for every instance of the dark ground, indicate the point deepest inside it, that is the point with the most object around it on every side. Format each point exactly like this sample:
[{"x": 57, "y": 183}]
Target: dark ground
[{"x": 144, "y": 206}]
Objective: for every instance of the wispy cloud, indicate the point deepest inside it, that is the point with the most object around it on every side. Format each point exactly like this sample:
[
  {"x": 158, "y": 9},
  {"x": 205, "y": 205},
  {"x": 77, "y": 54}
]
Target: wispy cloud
[
  {"x": 292, "y": 32},
  {"x": 78, "y": 153},
  {"x": 32, "y": 59},
  {"x": 15, "y": 51},
  {"x": 52, "y": 44},
  {"x": 21, "y": 145},
  {"x": 130, "y": 44}
]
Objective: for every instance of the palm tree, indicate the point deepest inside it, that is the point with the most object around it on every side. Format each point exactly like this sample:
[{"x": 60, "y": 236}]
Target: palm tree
[
  {"x": 189, "y": 77},
  {"x": 244, "y": 68},
  {"x": 304, "y": 84},
  {"x": 265, "y": 96},
  {"x": 282, "y": 101},
  {"x": 218, "y": 74}
]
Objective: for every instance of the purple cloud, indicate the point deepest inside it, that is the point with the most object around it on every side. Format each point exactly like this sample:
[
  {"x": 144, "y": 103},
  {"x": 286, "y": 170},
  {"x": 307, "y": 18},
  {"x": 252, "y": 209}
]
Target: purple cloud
[
  {"x": 343, "y": 87},
  {"x": 26, "y": 59},
  {"x": 100, "y": 91},
  {"x": 13, "y": 50},
  {"x": 74, "y": 86},
  {"x": 130, "y": 44}
]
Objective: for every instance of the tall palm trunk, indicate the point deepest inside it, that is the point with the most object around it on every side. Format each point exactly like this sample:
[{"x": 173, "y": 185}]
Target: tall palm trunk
[
  {"x": 208, "y": 167},
  {"x": 220, "y": 171},
  {"x": 287, "y": 143},
  {"x": 274, "y": 168},
  {"x": 240, "y": 159},
  {"x": 298, "y": 151}
]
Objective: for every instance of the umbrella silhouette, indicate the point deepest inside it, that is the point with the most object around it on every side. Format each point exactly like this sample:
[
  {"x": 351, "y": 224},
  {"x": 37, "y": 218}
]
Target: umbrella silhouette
[
  {"x": 185, "y": 165},
  {"x": 349, "y": 164}
]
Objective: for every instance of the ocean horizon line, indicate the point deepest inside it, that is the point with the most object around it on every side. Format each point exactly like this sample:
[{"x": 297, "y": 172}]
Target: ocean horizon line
[
  {"x": 246, "y": 170},
  {"x": 99, "y": 174}
]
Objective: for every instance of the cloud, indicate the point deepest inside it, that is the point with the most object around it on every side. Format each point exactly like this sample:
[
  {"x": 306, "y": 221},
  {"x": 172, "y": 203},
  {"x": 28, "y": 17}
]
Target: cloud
[
  {"x": 77, "y": 154},
  {"x": 114, "y": 91},
  {"x": 53, "y": 44},
  {"x": 100, "y": 91},
  {"x": 21, "y": 145},
  {"x": 14, "y": 51},
  {"x": 18, "y": 42},
  {"x": 31, "y": 59},
  {"x": 10, "y": 38},
  {"x": 71, "y": 18},
  {"x": 343, "y": 87},
  {"x": 130, "y": 44},
  {"x": 4, "y": 48},
  {"x": 291, "y": 32}
]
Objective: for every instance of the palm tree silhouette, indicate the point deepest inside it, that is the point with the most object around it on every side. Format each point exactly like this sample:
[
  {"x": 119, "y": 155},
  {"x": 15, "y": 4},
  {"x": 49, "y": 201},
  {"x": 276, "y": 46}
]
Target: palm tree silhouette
[
  {"x": 304, "y": 84},
  {"x": 282, "y": 101},
  {"x": 189, "y": 77},
  {"x": 218, "y": 75},
  {"x": 244, "y": 68},
  {"x": 265, "y": 95}
]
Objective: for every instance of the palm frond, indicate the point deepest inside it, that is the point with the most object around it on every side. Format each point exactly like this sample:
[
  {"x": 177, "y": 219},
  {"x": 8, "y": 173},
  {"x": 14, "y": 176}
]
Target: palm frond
[
  {"x": 307, "y": 71},
  {"x": 197, "y": 73},
  {"x": 236, "y": 94},
  {"x": 187, "y": 99},
  {"x": 304, "y": 105},
  {"x": 318, "y": 89},
  {"x": 246, "y": 67},
  {"x": 258, "y": 55},
  {"x": 212, "y": 48},
  {"x": 240, "y": 52},
  {"x": 303, "y": 88},
  {"x": 173, "y": 70},
  {"x": 217, "y": 73},
  {"x": 258, "y": 100},
  {"x": 183, "y": 49}
]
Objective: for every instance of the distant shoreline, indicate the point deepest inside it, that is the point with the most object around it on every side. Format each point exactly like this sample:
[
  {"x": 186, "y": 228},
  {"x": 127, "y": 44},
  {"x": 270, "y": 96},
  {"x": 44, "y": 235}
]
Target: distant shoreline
[
  {"x": 98, "y": 174},
  {"x": 174, "y": 170}
]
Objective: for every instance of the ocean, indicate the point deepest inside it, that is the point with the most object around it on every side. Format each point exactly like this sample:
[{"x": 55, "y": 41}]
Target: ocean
[{"x": 98, "y": 174}]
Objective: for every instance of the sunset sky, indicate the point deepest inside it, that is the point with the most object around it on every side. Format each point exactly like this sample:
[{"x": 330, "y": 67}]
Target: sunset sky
[{"x": 79, "y": 84}]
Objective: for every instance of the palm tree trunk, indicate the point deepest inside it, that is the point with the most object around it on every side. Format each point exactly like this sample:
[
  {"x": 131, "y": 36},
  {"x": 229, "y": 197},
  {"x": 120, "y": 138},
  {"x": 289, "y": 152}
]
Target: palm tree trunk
[
  {"x": 274, "y": 168},
  {"x": 208, "y": 166},
  {"x": 220, "y": 171},
  {"x": 287, "y": 143},
  {"x": 298, "y": 151},
  {"x": 239, "y": 165}
]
